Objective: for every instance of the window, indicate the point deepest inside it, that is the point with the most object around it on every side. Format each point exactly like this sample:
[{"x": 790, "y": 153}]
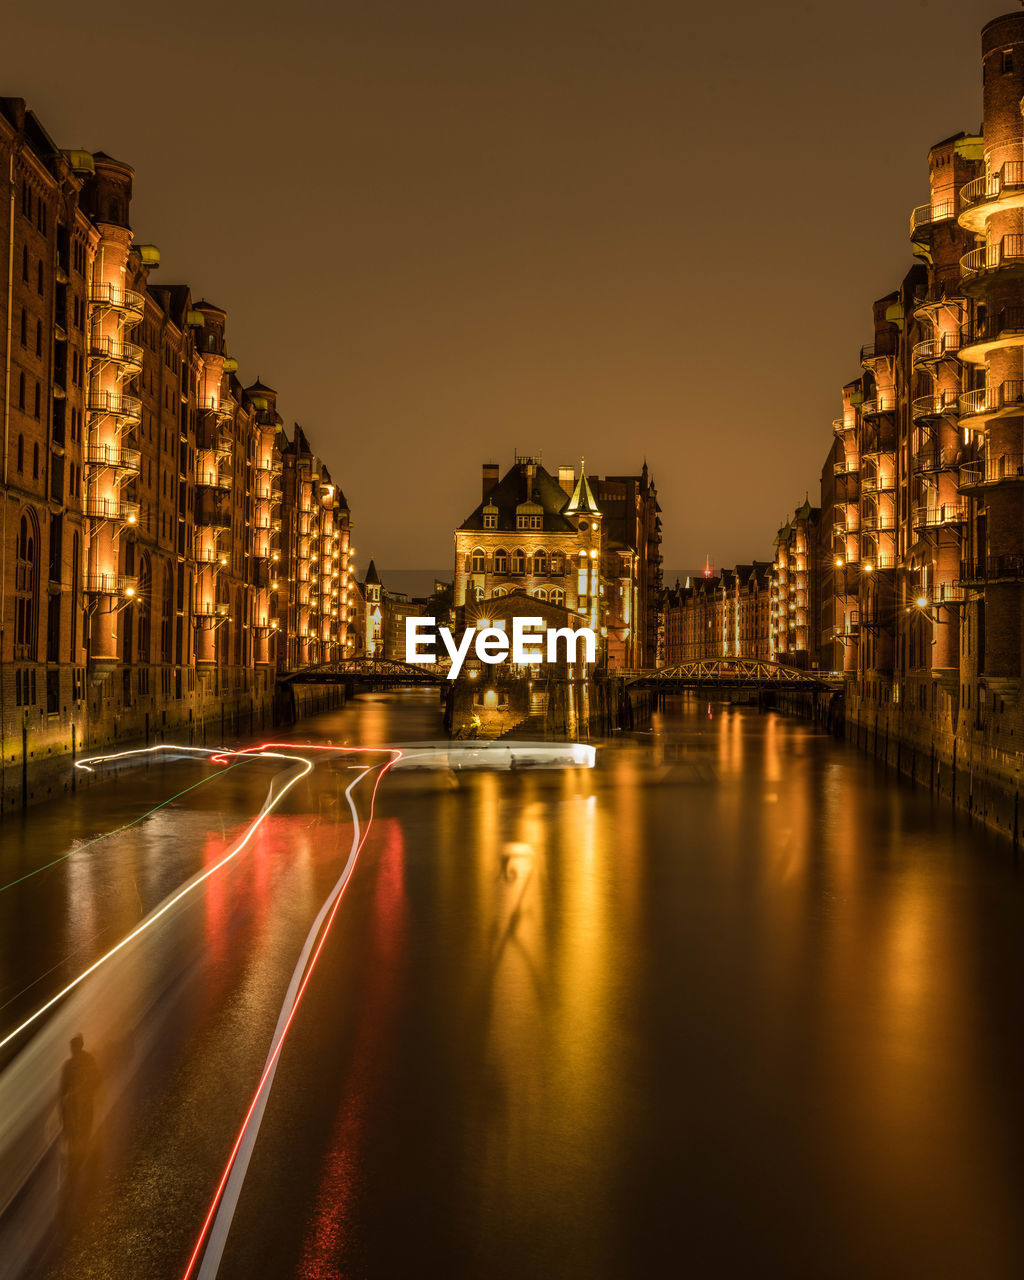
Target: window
[
  {"x": 26, "y": 583},
  {"x": 557, "y": 596},
  {"x": 540, "y": 563},
  {"x": 39, "y": 278},
  {"x": 1007, "y": 59},
  {"x": 479, "y": 561},
  {"x": 37, "y": 409},
  {"x": 21, "y": 454},
  {"x": 490, "y": 520},
  {"x": 557, "y": 564},
  {"x": 518, "y": 562},
  {"x": 39, "y": 337},
  {"x": 501, "y": 561},
  {"x": 541, "y": 593}
]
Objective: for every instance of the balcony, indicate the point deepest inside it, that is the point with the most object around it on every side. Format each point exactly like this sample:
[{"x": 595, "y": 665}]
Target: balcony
[
  {"x": 877, "y": 522},
  {"x": 927, "y": 407},
  {"x": 126, "y": 355},
  {"x": 940, "y": 516},
  {"x": 986, "y": 569},
  {"x": 221, "y": 408},
  {"x": 115, "y": 404},
  {"x": 111, "y": 297},
  {"x": 939, "y": 593},
  {"x": 872, "y": 352},
  {"x": 846, "y": 467},
  {"x": 932, "y": 350},
  {"x": 991, "y": 193},
  {"x": 884, "y": 402},
  {"x": 1005, "y": 257},
  {"x": 1005, "y": 329},
  {"x": 880, "y": 563},
  {"x": 1004, "y": 400},
  {"x": 878, "y": 484},
  {"x": 111, "y": 584},
  {"x": 212, "y": 513},
  {"x": 927, "y": 215},
  {"x": 213, "y": 478},
  {"x": 128, "y": 461},
  {"x": 212, "y": 609},
  {"x": 933, "y": 459},
  {"x": 111, "y": 509},
  {"x": 1004, "y": 469},
  {"x": 839, "y": 426}
]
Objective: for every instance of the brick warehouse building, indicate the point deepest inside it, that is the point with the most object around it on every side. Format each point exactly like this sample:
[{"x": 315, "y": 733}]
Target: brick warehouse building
[
  {"x": 915, "y": 562},
  {"x": 167, "y": 548},
  {"x": 593, "y": 548}
]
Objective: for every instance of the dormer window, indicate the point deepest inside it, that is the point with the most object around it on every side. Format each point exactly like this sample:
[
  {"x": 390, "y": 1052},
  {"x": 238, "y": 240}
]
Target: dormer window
[
  {"x": 490, "y": 520},
  {"x": 529, "y": 522}
]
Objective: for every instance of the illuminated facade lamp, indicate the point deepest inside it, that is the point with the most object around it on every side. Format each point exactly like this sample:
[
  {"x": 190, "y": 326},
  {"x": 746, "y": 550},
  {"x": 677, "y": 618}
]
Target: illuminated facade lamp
[
  {"x": 839, "y": 562},
  {"x": 922, "y": 602},
  {"x": 869, "y": 567},
  {"x": 129, "y": 591}
]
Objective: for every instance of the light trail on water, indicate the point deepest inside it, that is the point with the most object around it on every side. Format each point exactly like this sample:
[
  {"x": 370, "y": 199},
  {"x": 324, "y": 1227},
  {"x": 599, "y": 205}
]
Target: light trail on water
[
  {"x": 269, "y": 805},
  {"x": 215, "y": 1229}
]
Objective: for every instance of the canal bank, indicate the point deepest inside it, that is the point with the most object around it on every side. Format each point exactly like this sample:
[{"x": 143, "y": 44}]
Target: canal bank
[{"x": 38, "y": 767}]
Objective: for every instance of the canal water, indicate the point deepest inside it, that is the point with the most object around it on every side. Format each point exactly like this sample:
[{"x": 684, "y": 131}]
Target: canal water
[{"x": 734, "y": 1002}]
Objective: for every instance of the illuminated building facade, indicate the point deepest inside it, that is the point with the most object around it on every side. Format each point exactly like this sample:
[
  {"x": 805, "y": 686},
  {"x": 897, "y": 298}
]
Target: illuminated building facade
[
  {"x": 556, "y": 540},
  {"x": 795, "y": 602},
  {"x": 148, "y": 587},
  {"x": 720, "y": 616}
]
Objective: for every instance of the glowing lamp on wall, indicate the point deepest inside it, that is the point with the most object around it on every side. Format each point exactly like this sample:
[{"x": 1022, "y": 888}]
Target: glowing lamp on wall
[
  {"x": 869, "y": 567},
  {"x": 922, "y": 601}
]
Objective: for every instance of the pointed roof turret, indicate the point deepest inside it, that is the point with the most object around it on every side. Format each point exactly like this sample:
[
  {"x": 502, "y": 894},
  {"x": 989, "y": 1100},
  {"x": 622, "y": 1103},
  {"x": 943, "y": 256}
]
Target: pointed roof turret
[
  {"x": 582, "y": 499},
  {"x": 371, "y": 574}
]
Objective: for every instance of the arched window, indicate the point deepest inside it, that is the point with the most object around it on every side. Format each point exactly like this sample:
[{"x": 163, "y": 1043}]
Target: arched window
[
  {"x": 76, "y": 585},
  {"x": 557, "y": 564},
  {"x": 478, "y": 593},
  {"x": 166, "y": 616},
  {"x": 35, "y": 462},
  {"x": 479, "y": 561},
  {"x": 557, "y": 596},
  {"x": 541, "y": 593},
  {"x": 21, "y": 453},
  {"x": 518, "y": 562},
  {"x": 26, "y": 587},
  {"x": 501, "y": 561},
  {"x": 497, "y": 592},
  {"x": 540, "y": 563},
  {"x": 143, "y": 603}
]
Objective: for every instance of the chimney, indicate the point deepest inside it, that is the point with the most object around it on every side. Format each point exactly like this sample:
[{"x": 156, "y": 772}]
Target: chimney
[
  {"x": 567, "y": 479},
  {"x": 490, "y": 477}
]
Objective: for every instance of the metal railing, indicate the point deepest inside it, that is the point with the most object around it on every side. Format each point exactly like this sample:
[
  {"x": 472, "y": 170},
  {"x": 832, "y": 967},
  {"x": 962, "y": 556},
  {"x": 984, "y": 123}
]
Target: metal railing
[
  {"x": 943, "y": 513},
  {"x": 934, "y": 459},
  {"x": 877, "y": 522},
  {"x": 932, "y": 349},
  {"x": 884, "y": 402},
  {"x": 115, "y": 404},
  {"x": 839, "y": 426},
  {"x": 211, "y": 478},
  {"x": 992, "y": 328},
  {"x": 112, "y": 455},
  {"x": 872, "y": 351},
  {"x": 934, "y": 211},
  {"x": 1005, "y": 568},
  {"x": 128, "y": 354},
  {"x": 1005, "y": 395},
  {"x": 110, "y": 584},
  {"x": 1007, "y": 252},
  {"x": 991, "y": 186},
  {"x": 992, "y": 470},
  {"x": 934, "y": 406},
  {"x": 118, "y": 299},
  {"x": 111, "y": 509},
  {"x": 219, "y": 406},
  {"x": 878, "y": 484}
]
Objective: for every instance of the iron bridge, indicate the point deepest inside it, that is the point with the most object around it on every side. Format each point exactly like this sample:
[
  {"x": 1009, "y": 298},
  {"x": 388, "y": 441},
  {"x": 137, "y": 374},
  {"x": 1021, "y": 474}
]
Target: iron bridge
[
  {"x": 375, "y": 671},
  {"x": 732, "y": 673}
]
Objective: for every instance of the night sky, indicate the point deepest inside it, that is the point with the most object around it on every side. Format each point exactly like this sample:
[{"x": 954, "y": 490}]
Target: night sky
[{"x": 448, "y": 229}]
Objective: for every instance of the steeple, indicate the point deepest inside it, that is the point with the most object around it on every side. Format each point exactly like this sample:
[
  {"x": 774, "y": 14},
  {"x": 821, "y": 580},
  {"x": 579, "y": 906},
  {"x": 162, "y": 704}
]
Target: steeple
[{"x": 582, "y": 499}]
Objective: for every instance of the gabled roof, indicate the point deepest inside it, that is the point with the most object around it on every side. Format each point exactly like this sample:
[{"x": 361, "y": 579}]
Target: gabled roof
[{"x": 511, "y": 492}]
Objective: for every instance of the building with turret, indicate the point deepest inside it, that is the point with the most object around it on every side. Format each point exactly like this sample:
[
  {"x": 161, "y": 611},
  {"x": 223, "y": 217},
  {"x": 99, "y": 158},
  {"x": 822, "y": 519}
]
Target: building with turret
[{"x": 555, "y": 540}]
